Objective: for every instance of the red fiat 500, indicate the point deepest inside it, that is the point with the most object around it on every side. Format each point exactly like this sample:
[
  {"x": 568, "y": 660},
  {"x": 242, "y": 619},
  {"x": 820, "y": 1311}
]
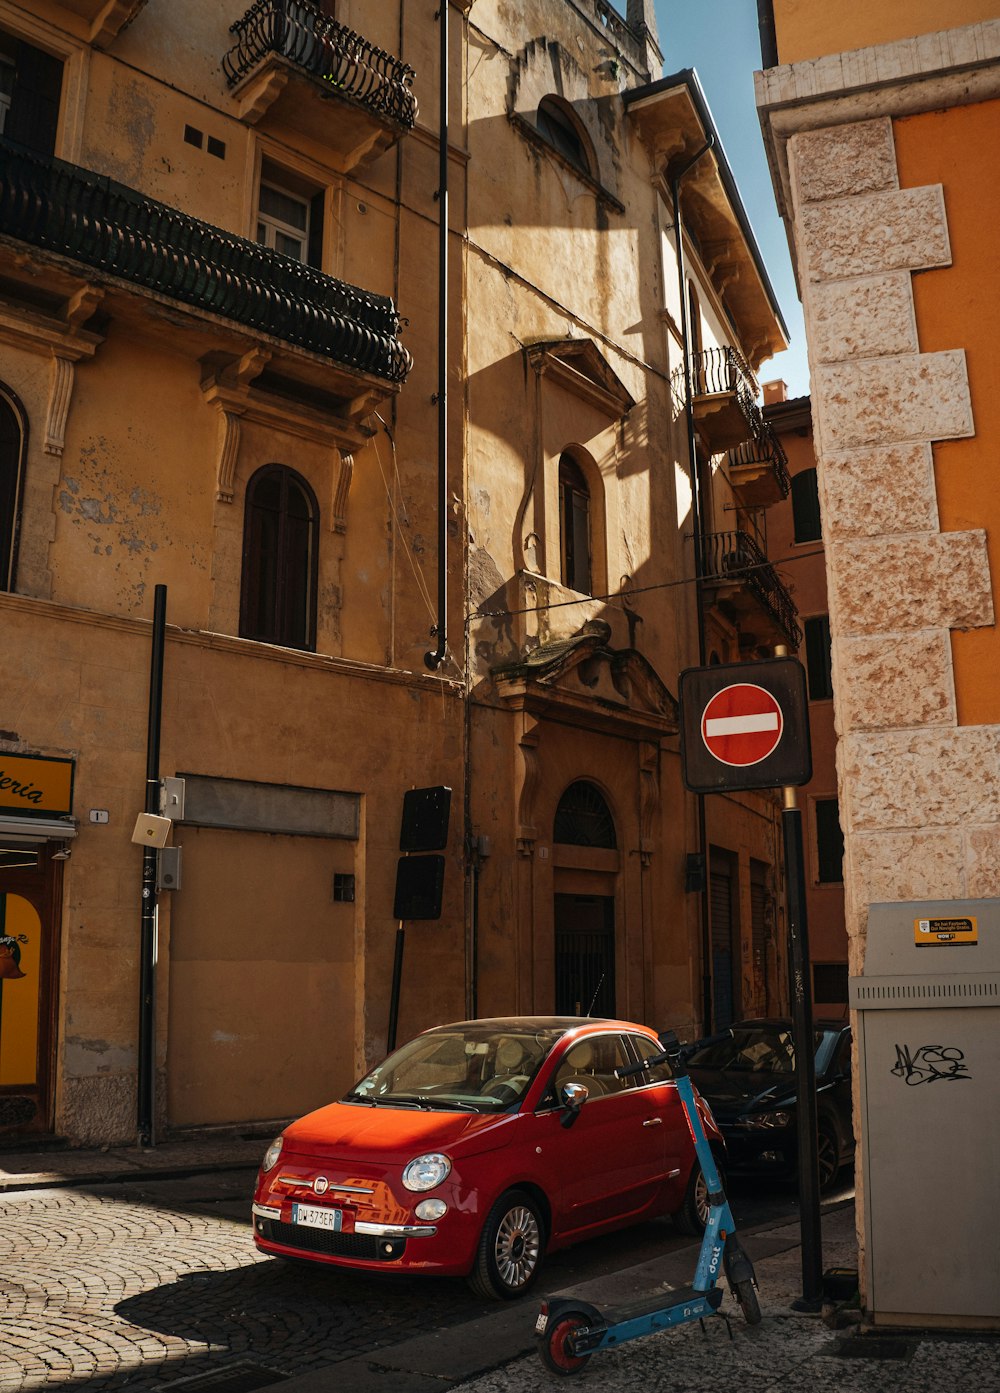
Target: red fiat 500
[{"x": 480, "y": 1146}]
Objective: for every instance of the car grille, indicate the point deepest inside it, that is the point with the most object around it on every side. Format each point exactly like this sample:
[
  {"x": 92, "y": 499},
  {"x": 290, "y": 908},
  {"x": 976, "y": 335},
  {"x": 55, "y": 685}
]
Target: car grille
[{"x": 363, "y": 1246}]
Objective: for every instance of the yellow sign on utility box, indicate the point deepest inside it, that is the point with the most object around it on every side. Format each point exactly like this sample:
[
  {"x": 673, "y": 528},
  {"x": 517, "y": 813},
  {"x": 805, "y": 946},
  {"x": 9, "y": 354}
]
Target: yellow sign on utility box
[{"x": 947, "y": 932}]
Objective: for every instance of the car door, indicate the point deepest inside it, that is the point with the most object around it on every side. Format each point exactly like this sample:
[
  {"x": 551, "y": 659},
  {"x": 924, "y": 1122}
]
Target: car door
[
  {"x": 607, "y": 1166},
  {"x": 663, "y": 1102}
]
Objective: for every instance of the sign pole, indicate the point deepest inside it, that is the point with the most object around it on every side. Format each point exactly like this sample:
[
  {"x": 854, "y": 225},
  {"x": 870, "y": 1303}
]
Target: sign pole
[
  {"x": 397, "y": 980},
  {"x": 746, "y": 726},
  {"x": 805, "y": 1058}
]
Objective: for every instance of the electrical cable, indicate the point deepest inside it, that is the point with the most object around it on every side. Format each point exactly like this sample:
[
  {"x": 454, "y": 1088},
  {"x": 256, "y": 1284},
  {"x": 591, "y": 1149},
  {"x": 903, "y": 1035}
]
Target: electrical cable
[{"x": 737, "y": 573}]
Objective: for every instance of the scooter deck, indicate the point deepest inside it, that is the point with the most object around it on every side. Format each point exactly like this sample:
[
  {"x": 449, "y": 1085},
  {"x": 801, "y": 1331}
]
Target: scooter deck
[{"x": 662, "y": 1301}]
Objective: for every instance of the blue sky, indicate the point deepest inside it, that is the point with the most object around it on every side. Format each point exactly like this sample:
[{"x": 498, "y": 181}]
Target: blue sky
[{"x": 719, "y": 38}]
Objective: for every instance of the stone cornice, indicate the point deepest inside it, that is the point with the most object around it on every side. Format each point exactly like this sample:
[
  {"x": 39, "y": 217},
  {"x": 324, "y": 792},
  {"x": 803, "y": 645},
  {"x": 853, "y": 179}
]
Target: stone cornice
[
  {"x": 954, "y": 67},
  {"x": 47, "y": 610}
]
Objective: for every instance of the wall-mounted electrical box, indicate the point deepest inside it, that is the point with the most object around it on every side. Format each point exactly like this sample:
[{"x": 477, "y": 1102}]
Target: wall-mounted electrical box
[{"x": 928, "y": 1039}]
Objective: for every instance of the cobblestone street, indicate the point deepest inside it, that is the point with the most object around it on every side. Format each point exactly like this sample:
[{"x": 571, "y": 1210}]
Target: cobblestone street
[{"x": 118, "y": 1286}]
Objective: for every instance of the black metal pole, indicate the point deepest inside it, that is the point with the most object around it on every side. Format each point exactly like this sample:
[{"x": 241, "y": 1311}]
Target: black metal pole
[
  {"x": 397, "y": 978},
  {"x": 435, "y": 657},
  {"x": 146, "y": 1070},
  {"x": 692, "y": 445},
  {"x": 805, "y": 1058}
]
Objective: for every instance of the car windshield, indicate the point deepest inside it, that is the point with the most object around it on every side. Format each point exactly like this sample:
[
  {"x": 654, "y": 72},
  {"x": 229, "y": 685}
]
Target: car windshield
[
  {"x": 760, "y": 1049},
  {"x": 459, "y": 1068}
]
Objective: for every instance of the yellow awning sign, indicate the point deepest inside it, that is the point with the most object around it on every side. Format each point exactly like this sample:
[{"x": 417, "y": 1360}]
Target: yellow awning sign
[
  {"x": 947, "y": 932},
  {"x": 36, "y": 786}
]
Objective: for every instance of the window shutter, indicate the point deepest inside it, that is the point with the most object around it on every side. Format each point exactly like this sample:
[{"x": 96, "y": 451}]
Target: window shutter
[
  {"x": 818, "y": 666},
  {"x": 33, "y": 118},
  {"x": 805, "y": 507},
  {"x": 829, "y": 842},
  {"x": 314, "y": 254}
]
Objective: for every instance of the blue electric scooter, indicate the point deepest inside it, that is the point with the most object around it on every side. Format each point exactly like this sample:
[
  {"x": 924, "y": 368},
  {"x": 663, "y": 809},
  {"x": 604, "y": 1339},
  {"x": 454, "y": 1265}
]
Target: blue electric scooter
[{"x": 569, "y": 1331}]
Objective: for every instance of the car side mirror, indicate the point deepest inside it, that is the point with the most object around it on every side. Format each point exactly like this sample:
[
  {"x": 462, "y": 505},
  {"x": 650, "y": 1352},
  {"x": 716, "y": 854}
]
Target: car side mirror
[{"x": 573, "y": 1096}]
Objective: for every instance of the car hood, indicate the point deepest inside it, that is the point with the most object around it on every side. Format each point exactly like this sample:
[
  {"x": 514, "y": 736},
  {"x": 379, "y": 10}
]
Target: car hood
[
  {"x": 732, "y": 1092},
  {"x": 343, "y": 1131}
]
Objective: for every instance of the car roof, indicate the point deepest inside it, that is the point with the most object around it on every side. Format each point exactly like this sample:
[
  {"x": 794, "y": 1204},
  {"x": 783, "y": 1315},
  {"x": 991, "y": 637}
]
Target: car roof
[
  {"x": 532, "y": 1023},
  {"x": 786, "y": 1023}
]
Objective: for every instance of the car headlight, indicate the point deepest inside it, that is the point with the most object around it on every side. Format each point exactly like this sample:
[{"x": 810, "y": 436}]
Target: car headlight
[
  {"x": 271, "y": 1155},
  {"x": 424, "y": 1172},
  {"x": 763, "y": 1121}
]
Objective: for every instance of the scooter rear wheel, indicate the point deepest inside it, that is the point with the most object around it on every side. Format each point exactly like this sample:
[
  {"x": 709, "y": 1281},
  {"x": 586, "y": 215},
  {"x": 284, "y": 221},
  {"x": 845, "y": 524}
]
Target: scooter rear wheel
[
  {"x": 554, "y": 1348},
  {"x": 747, "y": 1300}
]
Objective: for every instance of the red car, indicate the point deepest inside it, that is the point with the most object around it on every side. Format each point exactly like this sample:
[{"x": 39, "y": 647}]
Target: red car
[{"x": 480, "y": 1146}]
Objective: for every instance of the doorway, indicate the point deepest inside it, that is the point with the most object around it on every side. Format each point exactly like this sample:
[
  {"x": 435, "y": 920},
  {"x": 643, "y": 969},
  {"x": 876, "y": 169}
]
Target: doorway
[
  {"x": 585, "y": 955},
  {"x": 28, "y": 966}
]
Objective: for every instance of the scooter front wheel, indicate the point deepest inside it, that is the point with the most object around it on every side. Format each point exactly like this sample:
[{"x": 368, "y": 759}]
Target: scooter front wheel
[
  {"x": 747, "y": 1300},
  {"x": 554, "y": 1347}
]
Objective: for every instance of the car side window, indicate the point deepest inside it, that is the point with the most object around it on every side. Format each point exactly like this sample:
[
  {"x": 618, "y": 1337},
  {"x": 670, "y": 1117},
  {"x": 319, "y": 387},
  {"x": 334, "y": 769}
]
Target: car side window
[
  {"x": 593, "y": 1062},
  {"x": 643, "y": 1047}
]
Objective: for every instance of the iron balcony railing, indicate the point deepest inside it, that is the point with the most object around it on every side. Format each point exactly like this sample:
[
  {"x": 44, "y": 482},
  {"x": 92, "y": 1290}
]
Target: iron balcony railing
[
  {"x": 717, "y": 370},
  {"x": 75, "y": 213},
  {"x": 736, "y": 557},
  {"x": 336, "y": 55},
  {"x": 764, "y": 447}
]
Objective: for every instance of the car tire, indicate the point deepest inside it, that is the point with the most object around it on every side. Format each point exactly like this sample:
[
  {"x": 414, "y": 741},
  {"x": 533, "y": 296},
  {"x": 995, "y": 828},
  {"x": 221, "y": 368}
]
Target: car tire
[
  {"x": 511, "y": 1247},
  {"x": 693, "y": 1213}
]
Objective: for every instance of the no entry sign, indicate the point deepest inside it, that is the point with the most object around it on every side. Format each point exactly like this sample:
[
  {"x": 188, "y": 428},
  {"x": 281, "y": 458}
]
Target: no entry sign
[
  {"x": 745, "y": 726},
  {"x": 742, "y": 724}
]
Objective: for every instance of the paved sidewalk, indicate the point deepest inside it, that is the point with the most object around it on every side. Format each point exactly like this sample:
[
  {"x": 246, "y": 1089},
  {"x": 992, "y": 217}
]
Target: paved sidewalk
[
  {"x": 787, "y": 1353},
  {"x": 187, "y": 1155}
]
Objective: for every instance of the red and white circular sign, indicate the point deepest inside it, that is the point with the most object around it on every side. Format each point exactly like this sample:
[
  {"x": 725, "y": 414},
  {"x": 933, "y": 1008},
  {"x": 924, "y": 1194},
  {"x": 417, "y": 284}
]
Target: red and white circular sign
[{"x": 742, "y": 724}]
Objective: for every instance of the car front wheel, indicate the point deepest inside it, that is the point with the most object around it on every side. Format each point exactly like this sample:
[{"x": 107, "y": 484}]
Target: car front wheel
[{"x": 509, "y": 1256}]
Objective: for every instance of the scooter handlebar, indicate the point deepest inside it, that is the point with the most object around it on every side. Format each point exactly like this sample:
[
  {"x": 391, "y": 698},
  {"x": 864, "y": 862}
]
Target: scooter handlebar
[{"x": 670, "y": 1054}]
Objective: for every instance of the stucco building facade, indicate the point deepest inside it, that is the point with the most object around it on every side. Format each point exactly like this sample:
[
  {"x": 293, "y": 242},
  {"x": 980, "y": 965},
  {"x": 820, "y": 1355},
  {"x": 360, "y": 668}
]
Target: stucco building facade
[{"x": 219, "y": 349}]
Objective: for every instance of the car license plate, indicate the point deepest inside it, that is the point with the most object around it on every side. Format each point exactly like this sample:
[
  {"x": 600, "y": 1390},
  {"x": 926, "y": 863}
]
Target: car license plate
[
  {"x": 313, "y": 1217},
  {"x": 540, "y": 1323}
]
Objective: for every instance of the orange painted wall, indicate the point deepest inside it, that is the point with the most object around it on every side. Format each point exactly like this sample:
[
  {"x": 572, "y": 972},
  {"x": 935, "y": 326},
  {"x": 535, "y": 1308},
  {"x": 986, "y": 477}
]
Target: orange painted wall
[
  {"x": 808, "y": 29},
  {"x": 956, "y": 308}
]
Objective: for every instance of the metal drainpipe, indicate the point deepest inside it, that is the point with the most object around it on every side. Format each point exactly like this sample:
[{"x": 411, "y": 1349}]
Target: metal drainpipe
[
  {"x": 768, "y": 37},
  {"x": 706, "y": 926},
  {"x": 146, "y": 1063},
  {"x": 435, "y": 657}
]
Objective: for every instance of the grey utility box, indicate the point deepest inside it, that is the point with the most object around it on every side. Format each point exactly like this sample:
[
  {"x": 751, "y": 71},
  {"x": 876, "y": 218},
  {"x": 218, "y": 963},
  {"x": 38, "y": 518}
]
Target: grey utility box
[{"x": 928, "y": 1040}]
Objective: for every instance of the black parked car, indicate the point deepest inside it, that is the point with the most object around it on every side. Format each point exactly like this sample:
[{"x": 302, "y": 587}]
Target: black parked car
[{"x": 747, "y": 1075}]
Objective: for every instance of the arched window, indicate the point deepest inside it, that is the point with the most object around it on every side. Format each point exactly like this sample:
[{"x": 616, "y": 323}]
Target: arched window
[
  {"x": 559, "y": 127},
  {"x": 13, "y": 439},
  {"x": 583, "y": 818},
  {"x": 574, "y": 526},
  {"x": 280, "y": 531}
]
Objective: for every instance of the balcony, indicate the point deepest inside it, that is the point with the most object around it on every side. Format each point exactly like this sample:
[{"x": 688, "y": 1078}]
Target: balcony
[
  {"x": 747, "y": 588},
  {"x": 294, "y": 67},
  {"x": 106, "y": 18},
  {"x": 758, "y": 469},
  {"x": 71, "y": 213},
  {"x": 723, "y": 398}
]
